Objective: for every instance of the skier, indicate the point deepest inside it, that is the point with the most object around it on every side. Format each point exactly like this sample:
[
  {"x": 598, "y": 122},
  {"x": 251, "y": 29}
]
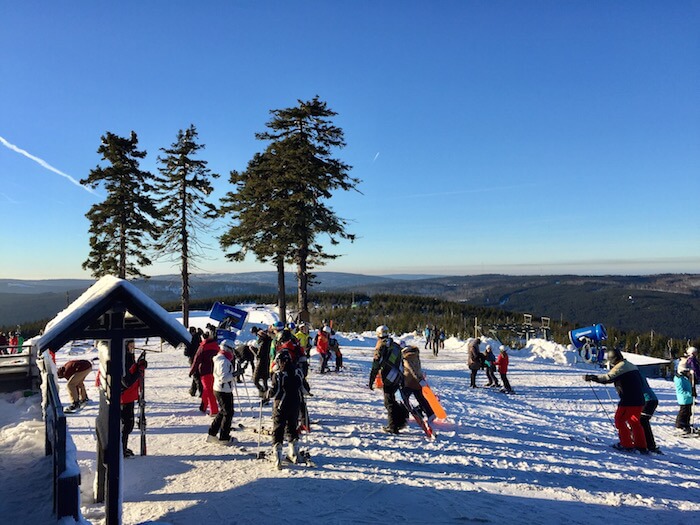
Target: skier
[
  {"x": 304, "y": 339},
  {"x": 628, "y": 383},
  {"x": 190, "y": 352},
  {"x": 322, "y": 347},
  {"x": 684, "y": 395},
  {"x": 692, "y": 364},
  {"x": 131, "y": 385},
  {"x": 414, "y": 379},
  {"x": 203, "y": 364},
  {"x": 650, "y": 404},
  {"x": 475, "y": 360},
  {"x": 262, "y": 370},
  {"x": 75, "y": 372},
  {"x": 502, "y": 365},
  {"x": 224, "y": 375},
  {"x": 286, "y": 389},
  {"x": 426, "y": 332},
  {"x": 334, "y": 347},
  {"x": 387, "y": 360},
  {"x": 442, "y": 338},
  {"x": 244, "y": 356},
  {"x": 436, "y": 340},
  {"x": 490, "y": 367}
]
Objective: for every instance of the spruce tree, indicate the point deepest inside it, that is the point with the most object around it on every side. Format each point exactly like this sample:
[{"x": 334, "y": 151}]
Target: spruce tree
[
  {"x": 303, "y": 139},
  {"x": 259, "y": 220},
  {"x": 123, "y": 226},
  {"x": 182, "y": 190}
]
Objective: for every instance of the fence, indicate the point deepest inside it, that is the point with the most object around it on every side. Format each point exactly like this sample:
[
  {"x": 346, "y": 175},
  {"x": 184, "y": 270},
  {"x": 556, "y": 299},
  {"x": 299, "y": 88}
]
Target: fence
[
  {"x": 66, "y": 473},
  {"x": 18, "y": 370}
]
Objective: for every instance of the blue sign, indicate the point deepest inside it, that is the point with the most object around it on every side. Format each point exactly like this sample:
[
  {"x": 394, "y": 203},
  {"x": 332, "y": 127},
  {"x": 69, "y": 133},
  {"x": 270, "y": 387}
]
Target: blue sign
[{"x": 232, "y": 317}]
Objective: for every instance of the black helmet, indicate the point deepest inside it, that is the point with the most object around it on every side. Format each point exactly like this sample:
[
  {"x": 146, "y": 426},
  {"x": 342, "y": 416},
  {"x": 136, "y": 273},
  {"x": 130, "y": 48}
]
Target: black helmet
[{"x": 283, "y": 358}]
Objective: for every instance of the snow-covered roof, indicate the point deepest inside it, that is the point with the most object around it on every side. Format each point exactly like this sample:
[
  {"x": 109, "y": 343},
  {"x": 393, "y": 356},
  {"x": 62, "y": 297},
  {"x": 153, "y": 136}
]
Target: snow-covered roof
[
  {"x": 97, "y": 300},
  {"x": 643, "y": 360}
]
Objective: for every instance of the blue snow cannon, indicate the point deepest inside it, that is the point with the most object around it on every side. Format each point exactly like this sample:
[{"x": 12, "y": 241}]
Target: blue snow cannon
[{"x": 594, "y": 334}]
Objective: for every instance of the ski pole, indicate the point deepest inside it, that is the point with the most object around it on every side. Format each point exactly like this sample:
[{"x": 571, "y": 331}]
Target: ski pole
[
  {"x": 235, "y": 388},
  {"x": 259, "y": 454},
  {"x": 601, "y": 404}
]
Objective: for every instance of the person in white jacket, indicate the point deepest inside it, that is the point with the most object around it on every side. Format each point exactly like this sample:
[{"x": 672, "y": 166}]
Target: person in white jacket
[{"x": 224, "y": 376}]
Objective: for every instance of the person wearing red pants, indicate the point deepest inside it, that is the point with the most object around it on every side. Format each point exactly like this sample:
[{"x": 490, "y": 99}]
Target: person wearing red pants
[
  {"x": 203, "y": 364},
  {"x": 630, "y": 387}
]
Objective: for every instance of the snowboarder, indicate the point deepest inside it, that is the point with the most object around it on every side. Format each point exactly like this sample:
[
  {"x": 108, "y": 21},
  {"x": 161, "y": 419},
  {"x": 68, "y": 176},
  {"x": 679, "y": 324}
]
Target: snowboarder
[
  {"x": 203, "y": 364},
  {"x": 224, "y": 375},
  {"x": 490, "y": 367},
  {"x": 628, "y": 383},
  {"x": 131, "y": 386},
  {"x": 475, "y": 360},
  {"x": 286, "y": 389},
  {"x": 75, "y": 372},
  {"x": 684, "y": 396},
  {"x": 262, "y": 370},
  {"x": 414, "y": 379},
  {"x": 502, "y": 366},
  {"x": 388, "y": 361}
]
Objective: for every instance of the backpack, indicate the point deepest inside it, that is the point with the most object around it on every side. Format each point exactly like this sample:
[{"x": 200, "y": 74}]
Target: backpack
[{"x": 391, "y": 364}]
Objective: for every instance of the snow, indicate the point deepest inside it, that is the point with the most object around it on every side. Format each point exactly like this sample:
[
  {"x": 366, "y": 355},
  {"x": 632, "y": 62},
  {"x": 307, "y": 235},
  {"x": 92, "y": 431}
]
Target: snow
[{"x": 497, "y": 459}]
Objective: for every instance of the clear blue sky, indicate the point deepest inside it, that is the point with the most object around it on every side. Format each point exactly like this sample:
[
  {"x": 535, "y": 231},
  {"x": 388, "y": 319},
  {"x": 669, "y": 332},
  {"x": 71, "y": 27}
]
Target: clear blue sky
[{"x": 490, "y": 136}]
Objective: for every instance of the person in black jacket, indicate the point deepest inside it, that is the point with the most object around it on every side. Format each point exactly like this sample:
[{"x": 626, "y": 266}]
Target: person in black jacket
[
  {"x": 630, "y": 387},
  {"x": 389, "y": 363},
  {"x": 286, "y": 390},
  {"x": 190, "y": 351},
  {"x": 475, "y": 360},
  {"x": 262, "y": 369}
]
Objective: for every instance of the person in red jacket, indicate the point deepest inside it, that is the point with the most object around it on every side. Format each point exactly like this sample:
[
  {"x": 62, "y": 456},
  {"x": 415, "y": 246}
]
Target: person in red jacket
[
  {"x": 502, "y": 366},
  {"x": 204, "y": 365},
  {"x": 322, "y": 347},
  {"x": 75, "y": 372},
  {"x": 131, "y": 386}
]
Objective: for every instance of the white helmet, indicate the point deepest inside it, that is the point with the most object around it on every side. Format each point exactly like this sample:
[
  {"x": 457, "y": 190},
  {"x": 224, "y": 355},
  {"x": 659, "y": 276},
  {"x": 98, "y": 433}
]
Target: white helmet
[
  {"x": 227, "y": 344},
  {"x": 327, "y": 329},
  {"x": 691, "y": 351},
  {"x": 382, "y": 331},
  {"x": 502, "y": 348}
]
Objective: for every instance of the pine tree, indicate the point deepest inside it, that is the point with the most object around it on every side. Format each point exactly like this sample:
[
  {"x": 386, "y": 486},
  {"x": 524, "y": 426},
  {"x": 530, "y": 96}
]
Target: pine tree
[
  {"x": 182, "y": 188},
  {"x": 259, "y": 220},
  {"x": 303, "y": 138},
  {"x": 123, "y": 226}
]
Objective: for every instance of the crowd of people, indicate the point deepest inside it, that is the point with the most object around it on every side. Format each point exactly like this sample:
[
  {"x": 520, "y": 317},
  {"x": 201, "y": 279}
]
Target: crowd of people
[
  {"x": 434, "y": 338},
  {"x": 11, "y": 343},
  {"x": 279, "y": 359}
]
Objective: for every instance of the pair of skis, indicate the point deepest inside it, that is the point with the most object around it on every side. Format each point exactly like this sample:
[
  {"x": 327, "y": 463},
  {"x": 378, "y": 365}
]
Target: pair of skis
[{"x": 419, "y": 415}]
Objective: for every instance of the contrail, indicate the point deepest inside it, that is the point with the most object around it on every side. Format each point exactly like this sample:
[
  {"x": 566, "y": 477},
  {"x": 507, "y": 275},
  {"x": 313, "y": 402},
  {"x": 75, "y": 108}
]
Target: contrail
[
  {"x": 375, "y": 158},
  {"x": 45, "y": 164}
]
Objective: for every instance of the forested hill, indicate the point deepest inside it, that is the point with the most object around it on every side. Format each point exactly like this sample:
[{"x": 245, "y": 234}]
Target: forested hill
[{"x": 668, "y": 304}]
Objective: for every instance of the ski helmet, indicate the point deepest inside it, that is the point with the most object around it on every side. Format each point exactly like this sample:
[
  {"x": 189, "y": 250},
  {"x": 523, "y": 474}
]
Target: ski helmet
[
  {"x": 691, "y": 351},
  {"x": 227, "y": 345},
  {"x": 278, "y": 326},
  {"x": 382, "y": 331},
  {"x": 291, "y": 326},
  {"x": 283, "y": 358},
  {"x": 327, "y": 329},
  {"x": 502, "y": 348}
]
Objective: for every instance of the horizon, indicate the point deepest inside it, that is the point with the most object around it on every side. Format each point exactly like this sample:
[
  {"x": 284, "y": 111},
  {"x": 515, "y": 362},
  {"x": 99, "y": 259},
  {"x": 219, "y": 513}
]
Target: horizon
[{"x": 515, "y": 138}]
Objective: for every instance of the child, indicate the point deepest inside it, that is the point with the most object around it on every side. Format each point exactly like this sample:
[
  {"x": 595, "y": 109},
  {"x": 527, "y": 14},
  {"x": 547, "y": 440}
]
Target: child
[
  {"x": 286, "y": 390},
  {"x": 502, "y": 365},
  {"x": 413, "y": 379},
  {"x": 75, "y": 372},
  {"x": 684, "y": 395},
  {"x": 490, "y": 364}
]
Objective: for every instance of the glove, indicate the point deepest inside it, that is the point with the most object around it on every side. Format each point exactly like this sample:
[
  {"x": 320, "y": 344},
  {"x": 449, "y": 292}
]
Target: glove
[
  {"x": 423, "y": 383},
  {"x": 588, "y": 377}
]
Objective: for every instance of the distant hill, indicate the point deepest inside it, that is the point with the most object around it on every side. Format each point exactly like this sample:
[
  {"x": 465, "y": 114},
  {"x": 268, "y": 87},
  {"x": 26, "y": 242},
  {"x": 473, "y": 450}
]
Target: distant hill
[{"x": 668, "y": 303}]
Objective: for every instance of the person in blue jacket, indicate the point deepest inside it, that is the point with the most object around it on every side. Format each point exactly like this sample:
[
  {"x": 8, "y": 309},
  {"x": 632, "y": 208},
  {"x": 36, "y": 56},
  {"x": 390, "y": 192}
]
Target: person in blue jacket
[{"x": 684, "y": 395}]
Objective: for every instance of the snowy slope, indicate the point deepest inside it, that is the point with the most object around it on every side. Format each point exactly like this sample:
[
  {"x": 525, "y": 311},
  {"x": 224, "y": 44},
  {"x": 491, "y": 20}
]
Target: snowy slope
[{"x": 499, "y": 459}]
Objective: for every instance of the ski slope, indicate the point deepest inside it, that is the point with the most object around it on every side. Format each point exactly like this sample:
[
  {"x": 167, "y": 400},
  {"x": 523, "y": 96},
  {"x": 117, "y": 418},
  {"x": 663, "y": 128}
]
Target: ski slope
[{"x": 524, "y": 458}]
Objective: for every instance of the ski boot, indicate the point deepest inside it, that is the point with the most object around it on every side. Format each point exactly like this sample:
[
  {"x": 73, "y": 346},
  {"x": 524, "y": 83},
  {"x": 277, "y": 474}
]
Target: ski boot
[
  {"x": 293, "y": 451},
  {"x": 277, "y": 455}
]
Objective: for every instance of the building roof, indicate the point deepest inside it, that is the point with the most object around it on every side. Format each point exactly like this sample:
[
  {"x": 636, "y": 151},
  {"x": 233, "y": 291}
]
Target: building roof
[
  {"x": 643, "y": 360},
  {"x": 107, "y": 293}
]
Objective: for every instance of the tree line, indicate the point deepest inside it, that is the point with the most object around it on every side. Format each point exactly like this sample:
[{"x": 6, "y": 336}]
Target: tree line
[{"x": 277, "y": 208}]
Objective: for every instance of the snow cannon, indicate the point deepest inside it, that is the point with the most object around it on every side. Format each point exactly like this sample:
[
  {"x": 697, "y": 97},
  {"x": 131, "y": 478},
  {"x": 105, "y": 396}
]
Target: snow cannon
[{"x": 588, "y": 334}]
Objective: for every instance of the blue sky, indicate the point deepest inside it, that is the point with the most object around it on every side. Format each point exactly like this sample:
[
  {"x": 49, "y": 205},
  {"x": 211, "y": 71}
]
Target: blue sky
[{"x": 490, "y": 136}]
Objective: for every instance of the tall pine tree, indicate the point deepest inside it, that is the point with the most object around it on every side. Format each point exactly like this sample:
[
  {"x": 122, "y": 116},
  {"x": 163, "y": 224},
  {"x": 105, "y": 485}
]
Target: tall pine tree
[
  {"x": 182, "y": 190},
  {"x": 259, "y": 217},
  {"x": 123, "y": 226},
  {"x": 303, "y": 139}
]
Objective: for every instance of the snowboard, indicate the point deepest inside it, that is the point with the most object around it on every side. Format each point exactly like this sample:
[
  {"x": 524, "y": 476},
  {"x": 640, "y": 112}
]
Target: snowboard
[{"x": 434, "y": 402}]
